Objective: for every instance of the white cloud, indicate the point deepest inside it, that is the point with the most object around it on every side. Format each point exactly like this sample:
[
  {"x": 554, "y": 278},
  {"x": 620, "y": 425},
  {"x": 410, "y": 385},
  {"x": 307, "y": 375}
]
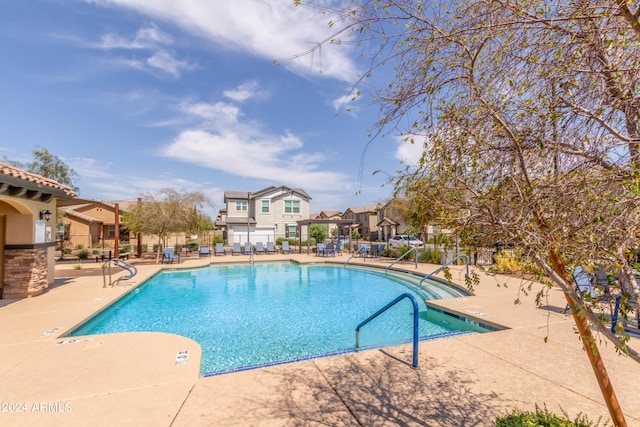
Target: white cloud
[
  {"x": 145, "y": 38},
  {"x": 407, "y": 152},
  {"x": 166, "y": 62},
  {"x": 245, "y": 91},
  {"x": 252, "y": 155},
  {"x": 275, "y": 30},
  {"x": 218, "y": 112},
  {"x": 344, "y": 101},
  {"x": 90, "y": 168}
]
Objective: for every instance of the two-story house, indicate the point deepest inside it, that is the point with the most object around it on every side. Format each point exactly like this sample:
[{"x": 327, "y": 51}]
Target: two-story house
[
  {"x": 367, "y": 219},
  {"x": 392, "y": 219},
  {"x": 265, "y": 215}
]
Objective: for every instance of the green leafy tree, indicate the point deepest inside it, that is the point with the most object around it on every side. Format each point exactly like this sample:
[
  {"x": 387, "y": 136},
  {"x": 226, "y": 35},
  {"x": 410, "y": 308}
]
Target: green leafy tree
[
  {"x": 50, "y": 166},
  {"x": 528, "y": 113},
  {"x": 318, "y": 232},
  {"x": 165, "y": 212}
]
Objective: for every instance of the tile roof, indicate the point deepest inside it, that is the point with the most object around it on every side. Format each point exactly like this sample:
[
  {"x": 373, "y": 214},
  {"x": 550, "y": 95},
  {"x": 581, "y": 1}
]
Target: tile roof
[{"x": 39, "y": 180}]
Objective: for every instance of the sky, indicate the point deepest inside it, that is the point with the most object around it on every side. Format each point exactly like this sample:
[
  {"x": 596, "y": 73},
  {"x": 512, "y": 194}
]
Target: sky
[{"x": 209, "y": 96}]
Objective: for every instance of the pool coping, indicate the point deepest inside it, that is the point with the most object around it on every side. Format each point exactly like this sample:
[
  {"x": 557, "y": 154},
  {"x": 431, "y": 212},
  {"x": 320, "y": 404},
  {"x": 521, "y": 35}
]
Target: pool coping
[{"x": 467, "y": 319}]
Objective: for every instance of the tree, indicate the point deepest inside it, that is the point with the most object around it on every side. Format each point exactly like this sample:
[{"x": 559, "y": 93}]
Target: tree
[
  {"x": 49, "y": 166},
  {"x": 165, "y": 212},
  {"x": 529, "y": 113},
  {"x": 318, "y": 232}
]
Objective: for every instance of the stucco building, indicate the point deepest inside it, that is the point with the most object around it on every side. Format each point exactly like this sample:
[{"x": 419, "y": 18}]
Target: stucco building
[{"x": 28, "y": 204}]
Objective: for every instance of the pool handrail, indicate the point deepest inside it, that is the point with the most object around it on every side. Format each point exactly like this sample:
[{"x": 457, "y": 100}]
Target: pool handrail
[
  {"x": 362, "y": 249},
  {"x": 131, "y": 269},
  {"x": 445, "y": 265},
  {"x": 416, "y": 313},
  {"x": 412, "y": 249}
]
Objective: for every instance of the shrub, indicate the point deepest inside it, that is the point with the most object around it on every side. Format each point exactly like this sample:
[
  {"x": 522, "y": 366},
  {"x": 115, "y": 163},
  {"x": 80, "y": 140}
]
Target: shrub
[
  {"x": 506, "y": 263},
  {"x": 83, "y": 254},
  {"x": 543, "y": 418},
  {"x": 217, "y": 239},
  {"x": 80, "y": 246},
  {"x": 95, "y": 251},
  {"x": 67, "y": 250},
  {"x": 429, "y": 255}
]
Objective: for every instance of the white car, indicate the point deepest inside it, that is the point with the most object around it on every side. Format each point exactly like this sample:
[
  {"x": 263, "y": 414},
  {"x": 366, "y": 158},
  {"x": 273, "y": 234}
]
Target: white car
[{"x": 400, "y": 240}]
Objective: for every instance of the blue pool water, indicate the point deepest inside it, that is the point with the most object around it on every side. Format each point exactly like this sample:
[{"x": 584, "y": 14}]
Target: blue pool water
[{"x": 250, "y": 315}]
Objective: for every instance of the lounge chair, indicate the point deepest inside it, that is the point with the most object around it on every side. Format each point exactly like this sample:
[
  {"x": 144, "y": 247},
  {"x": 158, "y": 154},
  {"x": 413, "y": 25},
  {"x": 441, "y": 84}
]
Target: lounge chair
[
  {"x": 220, "y": 249},
  {"x": 364, "y": 249},
  {"x": 259, "y": 247},
  {"x": 236, "y": 249},
  {"x": 586, "y": 287},
  {"x": 271, "y": 249},
  {"x": 247, "y": 248},
  {"x": 169, "y": 255},
  {"x": 204, "y": 251},
  {"x": 320, "y": 249},
  {"x": 285, "y": 247}
]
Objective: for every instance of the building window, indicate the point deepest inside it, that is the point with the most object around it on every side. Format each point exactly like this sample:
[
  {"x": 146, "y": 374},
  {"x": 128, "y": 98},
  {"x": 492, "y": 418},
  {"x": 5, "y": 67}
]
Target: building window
[
  {"x": 111, "y": 231},
  {"x": 291, "y": 231},
  {"x": 291, "y": 206},
  {"x": 241, "y": 205},
  {"x": 265, "y": 206}
]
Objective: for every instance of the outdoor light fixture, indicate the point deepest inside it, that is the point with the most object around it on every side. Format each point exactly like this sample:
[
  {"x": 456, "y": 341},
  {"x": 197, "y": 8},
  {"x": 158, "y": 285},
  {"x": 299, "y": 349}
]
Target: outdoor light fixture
[{"x": 46, "y": 215}]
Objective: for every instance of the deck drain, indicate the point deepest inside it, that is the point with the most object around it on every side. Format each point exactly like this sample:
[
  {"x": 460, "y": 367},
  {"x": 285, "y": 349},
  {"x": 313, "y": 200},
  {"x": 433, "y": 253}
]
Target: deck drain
[
  {"x": 182, "y": 358},
  {"x": 49, "y": 332},
  {"x": 74, "y": 341},
  {"x": 477, "y": 313}
]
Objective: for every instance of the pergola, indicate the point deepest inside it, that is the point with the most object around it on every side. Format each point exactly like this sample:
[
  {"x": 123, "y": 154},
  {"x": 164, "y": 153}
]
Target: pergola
[{"x": 342, "y": 223}]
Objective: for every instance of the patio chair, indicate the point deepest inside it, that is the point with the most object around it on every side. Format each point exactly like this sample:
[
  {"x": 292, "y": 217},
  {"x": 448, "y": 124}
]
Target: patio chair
[
  {"x": 236, "y": 249},
  {"x": 220, "y": 249},
  {"x": 329, "y": 250},
  {"x": 271, "y": 249},
  {"x": 285, "y": 247},
  {"x": 204, "y": 251},
  {"x": 169, "y": 255},
  {"x": 247, "y": 248},
  {"x": 259, "y": 248},
  {"x": 320, "y": 249}
]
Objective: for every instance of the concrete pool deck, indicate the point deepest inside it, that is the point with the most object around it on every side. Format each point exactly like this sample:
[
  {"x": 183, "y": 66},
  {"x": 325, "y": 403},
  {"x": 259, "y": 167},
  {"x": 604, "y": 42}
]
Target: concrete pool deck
[{"x": 138, "y": 379}]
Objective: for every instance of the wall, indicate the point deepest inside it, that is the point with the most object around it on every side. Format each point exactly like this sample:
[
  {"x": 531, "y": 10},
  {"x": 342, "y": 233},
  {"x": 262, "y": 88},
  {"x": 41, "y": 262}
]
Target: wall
[{"x": 27, "y": 269}]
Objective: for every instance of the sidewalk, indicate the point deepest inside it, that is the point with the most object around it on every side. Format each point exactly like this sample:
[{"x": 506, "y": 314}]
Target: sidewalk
[{"x": 133, "y": 379}]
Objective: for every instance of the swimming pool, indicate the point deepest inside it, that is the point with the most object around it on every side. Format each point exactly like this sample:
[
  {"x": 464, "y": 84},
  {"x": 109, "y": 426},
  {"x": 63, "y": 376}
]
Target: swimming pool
[{"x": 245, "y": 316}]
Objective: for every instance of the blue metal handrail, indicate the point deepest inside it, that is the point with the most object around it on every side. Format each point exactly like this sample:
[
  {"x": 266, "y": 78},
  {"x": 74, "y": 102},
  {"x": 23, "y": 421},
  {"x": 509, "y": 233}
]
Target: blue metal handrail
[
  {"x": 413, "y": 249},
  {"x": 446, "y": 265},
  {"x": 131, "y": 269},
  {"x": 361, "y": 249},
  {"x": 414, "y": 365}
]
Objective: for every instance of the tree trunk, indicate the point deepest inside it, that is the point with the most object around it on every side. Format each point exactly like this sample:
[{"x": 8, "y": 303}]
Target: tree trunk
[{"x": 591, "y": 347}]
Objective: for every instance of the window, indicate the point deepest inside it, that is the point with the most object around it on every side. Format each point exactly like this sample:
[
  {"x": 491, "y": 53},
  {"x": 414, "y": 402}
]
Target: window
[
  {"x": 265, "y": 206},
  {"x": 111, "y": 231},
  {"x": 291, "y": 231},
  {"x": 292, "y": 206},
  {"x": 241, "y": 205}
]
